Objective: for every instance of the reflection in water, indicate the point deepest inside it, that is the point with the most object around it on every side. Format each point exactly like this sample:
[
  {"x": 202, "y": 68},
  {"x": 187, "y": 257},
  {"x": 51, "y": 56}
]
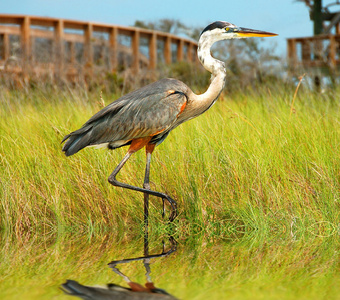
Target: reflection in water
[
  {"x": 113, "y": 291},
  {"x": 262, "y": 264},
  {"x": 135, "y": 290}
]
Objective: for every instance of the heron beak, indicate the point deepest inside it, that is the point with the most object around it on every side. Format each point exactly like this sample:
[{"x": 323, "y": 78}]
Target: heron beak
[{"x": 246, "y": 32}]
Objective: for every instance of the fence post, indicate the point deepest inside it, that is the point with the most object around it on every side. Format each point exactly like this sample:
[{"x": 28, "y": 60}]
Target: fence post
[
  {"x": 292, "y": 52},
  {"x": 25, "y": 43},
  {"x": 332, "y": 52},
  {"x": 59, "y": 48},
  {"x": 6, "y": 48},
  {"x": 113, "y": 49},
  {"x": 167, "y": 50},
  {"x": 153, "y": 51},
  {"x": 88, "y": 47},
  {"x": 135, "y": 50},
  {"x": 180, "y": 50}
]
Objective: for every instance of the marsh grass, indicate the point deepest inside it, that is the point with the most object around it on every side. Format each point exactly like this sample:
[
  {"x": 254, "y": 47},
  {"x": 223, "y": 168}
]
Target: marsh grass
[{"x": 247, "y": 163}]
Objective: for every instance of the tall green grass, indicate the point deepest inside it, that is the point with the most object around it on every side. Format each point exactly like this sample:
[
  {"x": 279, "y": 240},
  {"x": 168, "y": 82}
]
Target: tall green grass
[{"x": 251, "y": 161}]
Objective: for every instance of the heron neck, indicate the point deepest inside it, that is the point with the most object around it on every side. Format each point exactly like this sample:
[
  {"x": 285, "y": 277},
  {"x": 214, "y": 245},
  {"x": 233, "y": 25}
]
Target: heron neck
[{"x": 215, "y": 67}]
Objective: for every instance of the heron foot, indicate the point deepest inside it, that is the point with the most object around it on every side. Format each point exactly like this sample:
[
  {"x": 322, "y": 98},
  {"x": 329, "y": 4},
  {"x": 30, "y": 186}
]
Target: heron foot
[{"x": 173, "y": 213}]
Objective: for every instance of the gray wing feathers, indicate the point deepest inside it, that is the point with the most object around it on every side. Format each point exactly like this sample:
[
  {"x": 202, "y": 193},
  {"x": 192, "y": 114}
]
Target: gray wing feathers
[{"x": 142, "y": 113}]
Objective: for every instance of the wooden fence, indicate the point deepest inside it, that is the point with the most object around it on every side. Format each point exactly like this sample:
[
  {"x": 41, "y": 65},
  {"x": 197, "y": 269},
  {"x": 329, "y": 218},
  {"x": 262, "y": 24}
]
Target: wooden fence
[
  {"x": 321, "y": 51},
  {"x": 38, "y": 44}
]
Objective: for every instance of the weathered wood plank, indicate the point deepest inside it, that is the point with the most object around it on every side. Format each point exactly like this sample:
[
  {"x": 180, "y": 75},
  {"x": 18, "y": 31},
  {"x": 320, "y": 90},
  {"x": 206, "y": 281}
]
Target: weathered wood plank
[
  {"x": 6, "y": 45},
  {"x": 25, "y": 44},
  {"x": 88, "y": 49},
  {"x": 153, "y": 51},
  {"x": 167, "y": 50},
  {"x": 180, "y": 50},
  {"x": 59, "y": 47},
  {"x": 135, "y": 50},
  {"x": 113, "y": 40}
]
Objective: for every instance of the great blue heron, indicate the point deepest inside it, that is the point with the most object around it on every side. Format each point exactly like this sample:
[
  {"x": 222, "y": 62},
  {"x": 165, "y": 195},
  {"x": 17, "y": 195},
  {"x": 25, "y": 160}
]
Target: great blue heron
[{"x": 145, "y": 117}]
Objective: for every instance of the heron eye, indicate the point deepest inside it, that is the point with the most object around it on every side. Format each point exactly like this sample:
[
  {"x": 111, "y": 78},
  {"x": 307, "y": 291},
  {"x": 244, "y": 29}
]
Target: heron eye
[{"x": 227, "y": 28}]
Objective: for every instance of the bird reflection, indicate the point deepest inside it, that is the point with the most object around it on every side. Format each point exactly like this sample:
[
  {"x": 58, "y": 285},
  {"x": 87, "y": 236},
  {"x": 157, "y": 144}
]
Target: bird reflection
[{"x": 135, "y": 290}]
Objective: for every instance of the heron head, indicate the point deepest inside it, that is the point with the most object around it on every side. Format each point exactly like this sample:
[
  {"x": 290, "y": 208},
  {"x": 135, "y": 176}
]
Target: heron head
[{"x": 221, "y": 30}]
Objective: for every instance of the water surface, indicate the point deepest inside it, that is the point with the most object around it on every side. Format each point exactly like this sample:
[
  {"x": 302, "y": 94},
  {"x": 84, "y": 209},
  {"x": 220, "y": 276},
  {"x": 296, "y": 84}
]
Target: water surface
[{"x": 242, "y": 266}]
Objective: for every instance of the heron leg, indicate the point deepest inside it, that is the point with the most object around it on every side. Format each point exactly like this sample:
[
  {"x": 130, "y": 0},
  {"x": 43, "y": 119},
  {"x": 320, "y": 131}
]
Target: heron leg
[
  {"x": 149, "y": 149},
  {"x": 146, "y": 185},
  {"x": 135, "y": 146}
]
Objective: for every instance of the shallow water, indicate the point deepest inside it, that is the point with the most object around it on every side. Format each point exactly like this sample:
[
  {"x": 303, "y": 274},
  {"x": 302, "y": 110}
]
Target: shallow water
[{"x": 249, "y": 265}]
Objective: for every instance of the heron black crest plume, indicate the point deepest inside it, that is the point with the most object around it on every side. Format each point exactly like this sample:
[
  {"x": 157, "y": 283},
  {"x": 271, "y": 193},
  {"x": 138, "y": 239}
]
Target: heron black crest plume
[
  {"x": 145, "y": 117},
  {"x": 217, "y": 24}
]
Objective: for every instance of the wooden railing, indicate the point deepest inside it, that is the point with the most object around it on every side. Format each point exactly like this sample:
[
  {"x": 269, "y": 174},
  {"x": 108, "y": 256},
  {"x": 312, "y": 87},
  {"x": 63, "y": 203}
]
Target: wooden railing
[
  {"x": 39, "y": 44},
  {"x": 317, "y": 51}
]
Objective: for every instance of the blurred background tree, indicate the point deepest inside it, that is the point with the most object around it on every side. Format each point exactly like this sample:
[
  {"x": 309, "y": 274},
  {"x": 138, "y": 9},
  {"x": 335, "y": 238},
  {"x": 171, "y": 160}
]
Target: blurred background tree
[{"x": 171, "y": 26}]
